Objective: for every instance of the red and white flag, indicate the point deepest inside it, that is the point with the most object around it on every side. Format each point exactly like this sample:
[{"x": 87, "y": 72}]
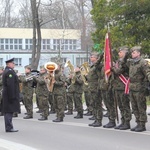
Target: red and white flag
[{"x": 107, "y": 58}]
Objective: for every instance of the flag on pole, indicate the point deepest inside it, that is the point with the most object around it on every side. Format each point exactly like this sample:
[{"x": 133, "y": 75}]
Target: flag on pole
[{"x": 107, "y": 58}]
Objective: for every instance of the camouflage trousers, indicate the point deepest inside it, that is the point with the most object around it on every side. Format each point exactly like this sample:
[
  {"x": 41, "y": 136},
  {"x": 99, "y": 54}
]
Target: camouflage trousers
[
  {"x": 104, "y": 95},
  {"x": 111, "y": 105},
  {"x": 70, "y": 101},
  {"x": 124, "y": 106},
  {"x": 43, "y": 105},
  {"x": 28, "y": 103},
  {"x": 96, "y": 105},
  {"x": 51, "y": 101},
  {"x": 59, "y": 105},
  {"x": 87, "y": 99},
  {"x": 138, "y": 103},
  {"x": 78, "y": 101}
]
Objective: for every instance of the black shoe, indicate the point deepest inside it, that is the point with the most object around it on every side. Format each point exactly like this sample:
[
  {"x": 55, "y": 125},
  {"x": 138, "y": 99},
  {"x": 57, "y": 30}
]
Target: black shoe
[
  {"x": 91, "y": 124},
  {"x": 110, "y": 125},
  {"x": 78, "y": 117},
  {"x": 88, "y": 114},
  {"x": 27, "y": 117},
  {"x": 12, "y": 130},
  {"x": 106, "y": 115},
  {"x": 140, "y": 129},
  {"x": 119, "y": 126},
  {"x": 125, "y": 127},
  {"x": 92, "y": 118},
  {"x": 58, "y": 120},
  {"x": 68, "y": 113},
  {"x": 133, "y": 129},
  {"x": 43, "y": 118},
  {"x": 149, "y": 113},
  {"x": 97, "y": 124}
]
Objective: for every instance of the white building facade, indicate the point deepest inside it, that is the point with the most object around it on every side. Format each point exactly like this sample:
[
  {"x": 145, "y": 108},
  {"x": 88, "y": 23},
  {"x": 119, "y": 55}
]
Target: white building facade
[{"x": 17, "y": 43}]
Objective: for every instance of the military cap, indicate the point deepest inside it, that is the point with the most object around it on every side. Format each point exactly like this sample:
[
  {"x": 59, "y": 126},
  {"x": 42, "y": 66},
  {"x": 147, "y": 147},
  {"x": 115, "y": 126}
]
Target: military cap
[
  {"x": 123, "y": 48},
  {"x": 10, "y": 60},
  {"x": 28, "y": 67},
  {"x": 1, "y": 68},
  {"x": 136, "y": 48}
]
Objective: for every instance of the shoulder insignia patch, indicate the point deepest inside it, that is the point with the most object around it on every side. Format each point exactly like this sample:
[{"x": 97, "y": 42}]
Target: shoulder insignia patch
[{"x": 10, "y": 75}]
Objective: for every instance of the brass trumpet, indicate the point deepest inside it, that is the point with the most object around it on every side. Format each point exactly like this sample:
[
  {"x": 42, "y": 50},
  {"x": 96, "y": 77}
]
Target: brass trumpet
[
  {"x": 29, "y": 78},
  {"x": 71, "y": 70},
  {"x": 84, "y": 69},
  {"x": 50, "y": 67}
]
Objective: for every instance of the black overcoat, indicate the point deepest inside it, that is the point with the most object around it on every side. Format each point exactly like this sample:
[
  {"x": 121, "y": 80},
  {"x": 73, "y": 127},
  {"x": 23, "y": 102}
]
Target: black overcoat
[{"x": 10, "y": 93}]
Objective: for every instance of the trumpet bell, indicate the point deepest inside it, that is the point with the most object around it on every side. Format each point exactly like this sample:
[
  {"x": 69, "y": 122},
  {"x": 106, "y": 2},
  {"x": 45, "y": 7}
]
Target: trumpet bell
[{"x": 50, "y": 66}]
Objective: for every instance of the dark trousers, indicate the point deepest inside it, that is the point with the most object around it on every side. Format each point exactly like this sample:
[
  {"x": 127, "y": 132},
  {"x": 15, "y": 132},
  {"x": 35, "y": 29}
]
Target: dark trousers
[{"x": 8, "y": 121}]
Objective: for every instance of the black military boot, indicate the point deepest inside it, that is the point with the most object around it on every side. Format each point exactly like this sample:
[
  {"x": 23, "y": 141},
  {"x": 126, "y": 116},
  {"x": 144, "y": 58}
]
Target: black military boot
[
  {"x": 91, "y": 124},
  {"x": 110, "y": 124},
  {"x": 97, "y": 124},
  {"x": 141, "y": 127},
  {"x": 28, "y": 117},
  {"x": 133, "y": 129},
  {"x": 78, "y": 116},
  {"x": 42, "y": 118},
  {"x": 125, "y": 126},
  {"x": 119, "y": 126},
  {"x": 88, "y": 113},
  {"x": 58, "y": 120},
  {"x": 69, "y": 113},
  {"x": 92, "y": 118}
]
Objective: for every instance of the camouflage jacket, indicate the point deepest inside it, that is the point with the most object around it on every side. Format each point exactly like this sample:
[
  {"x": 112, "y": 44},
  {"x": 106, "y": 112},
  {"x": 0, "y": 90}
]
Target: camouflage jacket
[
  {"x": 59, "y": 84},
  {"x": 93, "y": 76},
  {"x": 102, "y": 83},
  {"x": 70, "y": 86},
  {"x": 78, "y": 85},
  {"x": 26, "y": 84},
  {"x": 139, "y": 70},
  {"x": 117, "y": 70},
  {"x": 41, "y": 88}
]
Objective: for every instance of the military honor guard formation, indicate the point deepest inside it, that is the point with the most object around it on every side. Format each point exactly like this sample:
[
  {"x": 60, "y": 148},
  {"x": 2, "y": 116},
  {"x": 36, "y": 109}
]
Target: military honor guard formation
[{"x": 124, "y": 90}]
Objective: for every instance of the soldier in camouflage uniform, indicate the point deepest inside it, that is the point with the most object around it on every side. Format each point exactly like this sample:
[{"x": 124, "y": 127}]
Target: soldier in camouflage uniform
[
  {"x": 42, "y": 93},
  {"x": 78, "y": 87},
  {"x": 87, "y": 98},
  {"x": 121, "y": 76},
  {"x": 27, "y": 92},
  {"x": 70, "y": 95},
  {"x": 51, "y": 102},
  {"x": 107, "y": 96},
  {"x": 58, "y": 91},
  {"x": 96, "y": 100},
  {"x": 138, "y": 71},
  {"x": 1, "y": 72}
]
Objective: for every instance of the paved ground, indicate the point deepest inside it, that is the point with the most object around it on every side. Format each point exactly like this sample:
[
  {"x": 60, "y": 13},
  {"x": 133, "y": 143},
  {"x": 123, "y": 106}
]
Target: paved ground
[{"x": 72, "y": 134}]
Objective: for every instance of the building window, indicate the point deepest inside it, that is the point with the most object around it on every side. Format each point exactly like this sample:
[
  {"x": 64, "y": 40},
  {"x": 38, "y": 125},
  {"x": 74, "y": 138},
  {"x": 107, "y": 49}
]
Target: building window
[
  {"x": 46, "y": 44},
  {"x": 28, "y": 44},
  {"x": 1, "y": 61},
  {"x": 18, "y": 61}
]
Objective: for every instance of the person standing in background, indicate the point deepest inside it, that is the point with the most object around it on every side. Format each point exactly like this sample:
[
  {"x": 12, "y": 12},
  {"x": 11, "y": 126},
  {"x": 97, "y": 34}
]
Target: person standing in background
[{"x": 10, "y": 95}]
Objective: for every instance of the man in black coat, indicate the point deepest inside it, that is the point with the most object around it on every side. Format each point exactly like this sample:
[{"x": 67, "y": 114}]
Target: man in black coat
[{"x": 10, "y": 95}]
